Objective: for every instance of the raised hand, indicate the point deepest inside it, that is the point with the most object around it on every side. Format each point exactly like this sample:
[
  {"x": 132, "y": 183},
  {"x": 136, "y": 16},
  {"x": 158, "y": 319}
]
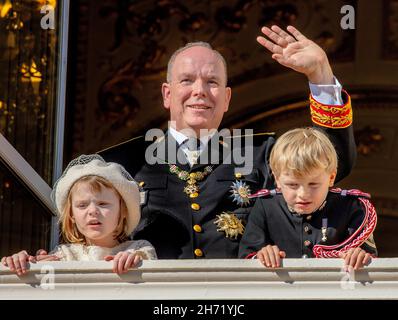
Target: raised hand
[{"x": 295, "y": 51}]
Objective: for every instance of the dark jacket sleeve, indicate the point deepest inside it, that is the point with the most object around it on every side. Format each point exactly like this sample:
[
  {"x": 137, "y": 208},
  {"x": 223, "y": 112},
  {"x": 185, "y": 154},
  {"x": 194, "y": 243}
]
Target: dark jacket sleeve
[
  {"x": 344, "y": 143},
  {"x": 256, "y": 235}
]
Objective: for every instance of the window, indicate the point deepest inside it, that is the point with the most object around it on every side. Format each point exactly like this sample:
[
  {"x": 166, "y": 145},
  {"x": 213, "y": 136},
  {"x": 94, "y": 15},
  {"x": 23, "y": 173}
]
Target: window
[{"x": 31, "y": 82}]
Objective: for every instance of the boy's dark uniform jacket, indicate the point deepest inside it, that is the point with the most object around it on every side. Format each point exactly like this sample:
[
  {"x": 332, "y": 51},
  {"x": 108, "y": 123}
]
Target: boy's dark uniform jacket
[
  {"x": 179, "y": 226},
  {"x": 271, "y": 223}
]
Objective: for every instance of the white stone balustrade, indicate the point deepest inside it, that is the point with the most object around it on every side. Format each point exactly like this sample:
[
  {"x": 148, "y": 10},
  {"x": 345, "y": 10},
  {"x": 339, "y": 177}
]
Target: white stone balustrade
[{"x": 204, "y": 279}]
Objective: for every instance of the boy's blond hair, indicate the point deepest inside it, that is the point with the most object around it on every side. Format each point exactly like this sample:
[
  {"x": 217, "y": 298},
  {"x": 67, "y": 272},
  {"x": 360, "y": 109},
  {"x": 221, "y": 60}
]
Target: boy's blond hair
[
  {"x": 301, "y": 150},
  {"x": 69, "y": 230}
]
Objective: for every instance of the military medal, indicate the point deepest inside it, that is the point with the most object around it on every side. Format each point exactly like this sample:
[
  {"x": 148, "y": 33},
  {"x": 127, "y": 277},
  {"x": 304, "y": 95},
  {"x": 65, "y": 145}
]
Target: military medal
[
  {"x": 240, "y": 193},
  {"x": 324, "y": 229},
  {"x": 230, "y": 224},
  {"x": 191, "y": 178},
  {"x": 191, "y": 189}
]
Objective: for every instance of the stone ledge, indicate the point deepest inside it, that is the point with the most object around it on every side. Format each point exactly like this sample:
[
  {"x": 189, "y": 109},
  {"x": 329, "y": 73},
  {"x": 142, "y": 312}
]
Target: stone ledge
[{"x": 203, "y": 279}]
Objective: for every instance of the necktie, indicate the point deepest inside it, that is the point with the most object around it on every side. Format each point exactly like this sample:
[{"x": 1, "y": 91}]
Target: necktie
[
  {"x": 193, "y": 144},
  {"x": 193, "y": 151}
]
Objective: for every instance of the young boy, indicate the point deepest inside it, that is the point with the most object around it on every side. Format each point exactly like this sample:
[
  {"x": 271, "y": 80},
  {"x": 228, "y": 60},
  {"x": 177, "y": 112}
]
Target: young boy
[{"x": 303, "y": 218}]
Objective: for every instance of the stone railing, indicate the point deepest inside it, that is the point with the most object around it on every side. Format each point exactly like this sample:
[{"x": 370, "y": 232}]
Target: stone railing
[{"x": 204, "y": 279}]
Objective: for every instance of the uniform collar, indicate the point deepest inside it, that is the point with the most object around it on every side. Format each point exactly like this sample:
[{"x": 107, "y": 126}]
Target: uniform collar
[{"x": 320, "y": 208}]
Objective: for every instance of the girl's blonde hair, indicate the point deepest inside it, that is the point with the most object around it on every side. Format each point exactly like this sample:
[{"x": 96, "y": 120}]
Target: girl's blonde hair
[
  {"x": 302, "y": 150},
  {"x": 69, "y": 231}
]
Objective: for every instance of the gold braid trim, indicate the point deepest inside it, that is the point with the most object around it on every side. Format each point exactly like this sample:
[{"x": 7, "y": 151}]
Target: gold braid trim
[{"x": 331, "y": 116}]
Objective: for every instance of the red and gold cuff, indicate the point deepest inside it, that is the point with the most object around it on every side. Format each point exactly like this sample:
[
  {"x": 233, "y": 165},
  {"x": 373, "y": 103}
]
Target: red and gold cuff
[{"x": 332, "y": 116}]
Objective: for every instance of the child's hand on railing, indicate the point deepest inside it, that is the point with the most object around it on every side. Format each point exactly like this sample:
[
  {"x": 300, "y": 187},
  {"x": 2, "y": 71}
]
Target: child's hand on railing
[
  {"x": 270, "y": 256},
  {"x": 18, "y": 262},
  {"x": 124, "y": 260},
  {"x": 355, "y": 258}
]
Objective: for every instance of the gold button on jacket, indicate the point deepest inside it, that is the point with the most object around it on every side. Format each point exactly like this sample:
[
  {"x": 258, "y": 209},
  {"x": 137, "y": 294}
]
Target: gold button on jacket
[
  {"x": 198, "y": 252},
  {"x": 238, "y": 175},
  {"x": 195, "y": 206}
]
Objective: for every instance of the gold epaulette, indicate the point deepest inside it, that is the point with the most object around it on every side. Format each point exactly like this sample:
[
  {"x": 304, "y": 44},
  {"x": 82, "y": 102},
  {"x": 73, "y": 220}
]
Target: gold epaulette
[{"x": 331, "y": 116}]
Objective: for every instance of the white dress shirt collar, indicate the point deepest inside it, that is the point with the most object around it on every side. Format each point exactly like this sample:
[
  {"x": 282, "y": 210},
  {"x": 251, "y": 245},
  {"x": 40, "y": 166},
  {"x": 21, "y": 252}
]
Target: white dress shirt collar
[{"x": 182, "y": 138}]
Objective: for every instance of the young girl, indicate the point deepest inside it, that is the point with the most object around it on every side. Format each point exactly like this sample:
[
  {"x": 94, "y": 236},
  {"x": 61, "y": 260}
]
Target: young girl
[
  {"x": 98, "y": 206},
  {"x": 304, "y": 217}
]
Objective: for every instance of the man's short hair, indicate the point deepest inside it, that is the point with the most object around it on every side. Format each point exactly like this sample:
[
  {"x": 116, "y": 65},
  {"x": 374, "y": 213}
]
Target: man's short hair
[
  {"x": 302, "y": 150},
  {"x": 190, "y": 45}
]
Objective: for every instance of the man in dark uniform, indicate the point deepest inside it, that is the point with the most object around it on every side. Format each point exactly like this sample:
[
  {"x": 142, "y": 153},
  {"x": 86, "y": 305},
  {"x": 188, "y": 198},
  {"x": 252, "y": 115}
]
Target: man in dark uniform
[{"x": 196, "y": 208}]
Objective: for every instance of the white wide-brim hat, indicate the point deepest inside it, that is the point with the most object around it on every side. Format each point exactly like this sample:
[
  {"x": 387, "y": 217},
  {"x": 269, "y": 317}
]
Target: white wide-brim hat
[{"x": 95, "y": 165}]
